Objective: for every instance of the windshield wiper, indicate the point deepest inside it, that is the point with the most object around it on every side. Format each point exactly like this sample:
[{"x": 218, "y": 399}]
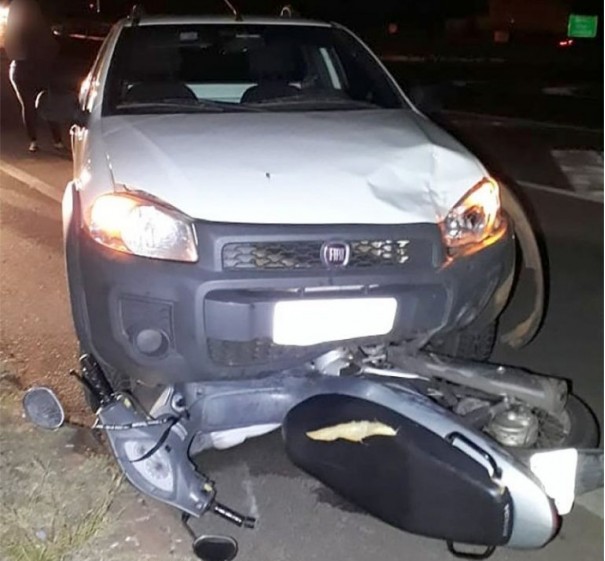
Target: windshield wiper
[
  {"x": 193, "y": 106},
  {"x": 227, "y": 106},
  {"x": 321, "y": 100}
]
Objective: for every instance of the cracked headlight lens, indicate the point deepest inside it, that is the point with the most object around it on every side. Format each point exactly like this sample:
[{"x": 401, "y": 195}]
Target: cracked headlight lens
[{"x": 476, "y": 217}]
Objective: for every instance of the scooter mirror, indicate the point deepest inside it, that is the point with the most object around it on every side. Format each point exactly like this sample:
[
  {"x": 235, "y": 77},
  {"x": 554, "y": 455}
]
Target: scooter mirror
[
  {"x": 43, "y": 408},
  {"x": 215, "y": 548}
]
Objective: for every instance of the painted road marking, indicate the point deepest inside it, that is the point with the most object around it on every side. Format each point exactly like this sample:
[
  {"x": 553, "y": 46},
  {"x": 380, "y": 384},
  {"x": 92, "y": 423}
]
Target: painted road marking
[
  {"x": 593, "y": 197},
  {"x": 487, "y": 119},
  {"x": 583, "y": 170},
  {"x": 440, "y": 58},
  {"x": 559, "y": 90},
  {"x": 592, "y": 502},
  {"x": 32, "y": 181},
  {"x": 579, "y": 91}
]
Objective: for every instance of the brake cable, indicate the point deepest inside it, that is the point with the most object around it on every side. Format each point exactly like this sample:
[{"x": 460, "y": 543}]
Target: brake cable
[
  {"x": 136, "y": 425},
  {"x": 170, "y": 421}
]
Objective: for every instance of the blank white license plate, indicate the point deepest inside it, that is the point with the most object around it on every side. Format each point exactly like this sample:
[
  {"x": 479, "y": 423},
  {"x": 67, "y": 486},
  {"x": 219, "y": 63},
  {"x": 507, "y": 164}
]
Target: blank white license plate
[{"x": 309, "y": 322}]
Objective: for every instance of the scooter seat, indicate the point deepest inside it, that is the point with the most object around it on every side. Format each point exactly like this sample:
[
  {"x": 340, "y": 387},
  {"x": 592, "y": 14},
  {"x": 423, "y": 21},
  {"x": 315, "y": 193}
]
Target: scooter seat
[{"x": 404, "y": 474}]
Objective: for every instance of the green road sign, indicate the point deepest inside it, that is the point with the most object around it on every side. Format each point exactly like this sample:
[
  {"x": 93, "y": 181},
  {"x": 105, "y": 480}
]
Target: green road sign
[{"x": 584, "y": 27}]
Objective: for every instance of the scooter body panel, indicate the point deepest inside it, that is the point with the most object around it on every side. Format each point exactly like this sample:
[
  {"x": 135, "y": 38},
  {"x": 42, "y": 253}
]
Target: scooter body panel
[{"x": 225, "y": 406}]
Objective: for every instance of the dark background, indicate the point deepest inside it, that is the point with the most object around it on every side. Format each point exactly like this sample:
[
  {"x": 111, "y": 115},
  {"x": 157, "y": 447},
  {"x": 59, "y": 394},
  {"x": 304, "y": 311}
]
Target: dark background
[
  {"x": 359, "y": 14},
  {"x": 433, "y": 28}
]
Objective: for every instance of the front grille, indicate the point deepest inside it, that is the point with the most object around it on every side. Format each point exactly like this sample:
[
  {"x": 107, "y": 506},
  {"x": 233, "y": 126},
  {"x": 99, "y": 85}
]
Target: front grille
[
  {"x": 379, "y": 253},
  {"x": 307, "y": 254},
  {"x": 257, "y": 351}
]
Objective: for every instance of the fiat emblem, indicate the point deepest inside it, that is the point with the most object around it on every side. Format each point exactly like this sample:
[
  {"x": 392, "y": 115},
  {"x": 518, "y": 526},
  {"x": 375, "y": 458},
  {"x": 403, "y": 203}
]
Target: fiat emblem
[{"x": 335, "y": 254}]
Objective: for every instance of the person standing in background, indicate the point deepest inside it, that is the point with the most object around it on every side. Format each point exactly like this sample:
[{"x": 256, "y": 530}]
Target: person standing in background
[{"x": 32, "y": 49}]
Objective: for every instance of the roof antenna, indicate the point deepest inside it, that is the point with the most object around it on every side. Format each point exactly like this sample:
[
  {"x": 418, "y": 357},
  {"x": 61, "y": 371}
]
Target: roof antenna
[
  {"x": 236, "y": 14},
  {"x": 288, "y": 12},
  {"x": 136, "y": 13}
]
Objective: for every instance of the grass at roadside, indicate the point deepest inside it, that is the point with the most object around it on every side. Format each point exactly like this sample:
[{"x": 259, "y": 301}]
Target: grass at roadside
[
  {"x": 52, "y": 508},
  {"x": 43, "y": 526},
  {"x": 63, "y": 499}
]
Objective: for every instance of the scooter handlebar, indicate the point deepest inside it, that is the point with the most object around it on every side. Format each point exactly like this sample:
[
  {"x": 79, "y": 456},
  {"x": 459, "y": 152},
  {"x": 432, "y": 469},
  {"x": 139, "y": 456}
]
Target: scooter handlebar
[{"x": 233, "y": 516}]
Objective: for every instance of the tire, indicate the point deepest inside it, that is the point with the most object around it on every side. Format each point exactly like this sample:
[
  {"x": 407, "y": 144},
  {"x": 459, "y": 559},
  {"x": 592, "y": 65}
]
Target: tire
[
  {"x": 583, "y": 427},
  {"x": 468, "y": 343}
]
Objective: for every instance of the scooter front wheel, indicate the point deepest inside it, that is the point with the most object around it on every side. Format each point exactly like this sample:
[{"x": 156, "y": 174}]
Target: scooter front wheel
[
  {"x": 523, "y": 429},
  {"x": 575, "y": 427}
]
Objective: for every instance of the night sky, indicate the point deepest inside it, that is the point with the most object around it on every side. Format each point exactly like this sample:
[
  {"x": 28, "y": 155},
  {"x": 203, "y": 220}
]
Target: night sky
[
  {"x": 355, "y": 13},
  {"x": 342, "y": 10}
]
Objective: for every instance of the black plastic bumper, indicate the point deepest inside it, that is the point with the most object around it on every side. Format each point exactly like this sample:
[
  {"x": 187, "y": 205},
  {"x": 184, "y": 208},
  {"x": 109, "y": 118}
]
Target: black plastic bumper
[{"x": 168, "y": 322}]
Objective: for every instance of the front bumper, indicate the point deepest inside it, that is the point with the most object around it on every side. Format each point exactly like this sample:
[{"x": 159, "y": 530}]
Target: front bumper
[{"x": 168, "y": 322}]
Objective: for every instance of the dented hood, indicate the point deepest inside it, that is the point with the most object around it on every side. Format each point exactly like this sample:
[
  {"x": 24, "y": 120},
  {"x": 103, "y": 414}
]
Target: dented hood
[{"x": 354, "y": 167}]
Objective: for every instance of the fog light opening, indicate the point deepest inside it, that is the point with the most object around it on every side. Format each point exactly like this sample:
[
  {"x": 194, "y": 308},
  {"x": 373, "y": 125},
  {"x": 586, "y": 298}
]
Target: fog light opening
[{"x": 151, "y": 342}]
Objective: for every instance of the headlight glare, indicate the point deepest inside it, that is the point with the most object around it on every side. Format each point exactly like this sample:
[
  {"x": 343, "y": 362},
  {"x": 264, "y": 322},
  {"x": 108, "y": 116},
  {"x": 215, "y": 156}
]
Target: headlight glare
[
  {"x": 475, "y": 217},
  {"x": 142, "y": 227}
]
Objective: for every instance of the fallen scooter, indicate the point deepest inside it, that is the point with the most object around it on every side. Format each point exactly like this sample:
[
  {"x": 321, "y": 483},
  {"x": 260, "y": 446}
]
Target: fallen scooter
[{"x": 471, "y": 453}]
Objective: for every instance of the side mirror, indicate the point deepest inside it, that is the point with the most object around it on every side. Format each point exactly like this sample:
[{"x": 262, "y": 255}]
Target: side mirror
[
  {"x": 43, "y": 408},
  {"x": 427, "y": 98},
  {"x": 215, "y": 548},
  {"x": 60, "y": 107}
]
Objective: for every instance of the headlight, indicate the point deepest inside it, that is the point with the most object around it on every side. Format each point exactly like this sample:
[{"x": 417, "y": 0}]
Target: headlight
[
  {"x": 141, "y": 227},
  {"x": 475, "y": 217}
]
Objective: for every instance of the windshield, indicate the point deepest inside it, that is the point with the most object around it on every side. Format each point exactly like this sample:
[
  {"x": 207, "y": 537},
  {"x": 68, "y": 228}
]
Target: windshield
[{"x": 240, "y": 67}]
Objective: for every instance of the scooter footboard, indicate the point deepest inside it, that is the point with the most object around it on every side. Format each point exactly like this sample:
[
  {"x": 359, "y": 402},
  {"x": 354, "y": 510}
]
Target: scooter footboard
[{"x": 399, "y": 470}]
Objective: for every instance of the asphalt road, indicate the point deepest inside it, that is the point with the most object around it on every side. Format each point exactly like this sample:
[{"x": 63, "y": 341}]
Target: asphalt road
[{"x": 299, "y": 518}]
